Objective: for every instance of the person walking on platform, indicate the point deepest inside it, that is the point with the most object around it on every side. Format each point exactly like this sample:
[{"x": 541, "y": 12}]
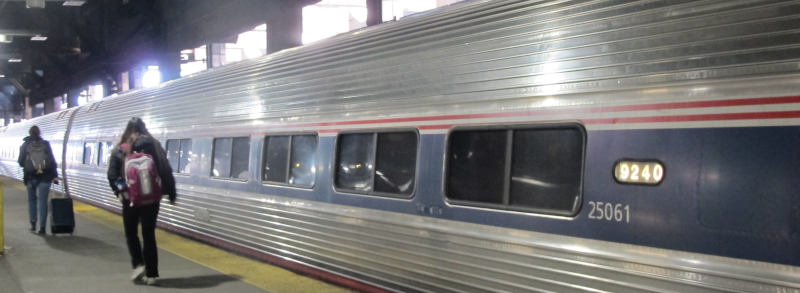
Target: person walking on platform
[
  {"x": 138, "y": 148},
  {"x": 40, "y": 169}
]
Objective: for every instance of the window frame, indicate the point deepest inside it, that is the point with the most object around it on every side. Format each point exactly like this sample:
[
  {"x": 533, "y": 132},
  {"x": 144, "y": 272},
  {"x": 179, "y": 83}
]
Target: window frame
[
  {"x": 180, "y": 146},
  {"x": 213, "y": 155},
  {"x": 335, "y": 160},
  {"x": 100, "y": 153},
  {"x": 93, "y": 156},
  {"x": 509, "y": 168},
  {"x": 262, "y": 159}
]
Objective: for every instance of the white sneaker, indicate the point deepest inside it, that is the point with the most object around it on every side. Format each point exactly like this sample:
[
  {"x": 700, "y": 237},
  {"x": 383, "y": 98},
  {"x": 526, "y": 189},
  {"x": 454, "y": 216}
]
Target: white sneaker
[
  {"x": 138, "y": 273},
  {"x": 150, "y": 281}
]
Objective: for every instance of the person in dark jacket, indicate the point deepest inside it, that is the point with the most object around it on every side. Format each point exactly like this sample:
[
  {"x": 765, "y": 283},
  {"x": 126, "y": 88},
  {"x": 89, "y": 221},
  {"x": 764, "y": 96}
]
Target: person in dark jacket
[
  {"x": 37, "y": 175},
  {"x": 136, "y": 138}
]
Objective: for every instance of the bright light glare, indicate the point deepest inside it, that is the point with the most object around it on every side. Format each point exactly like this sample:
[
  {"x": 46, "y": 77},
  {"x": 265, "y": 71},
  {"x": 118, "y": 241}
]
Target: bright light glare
[
  {"x": 97, "y": 92},
  {"x": 5, "y": 39},
  {"x": 152, "y": 77},
  {"x": 83, "y": 99},
  {"x": 331, "y": 17},
  {"x": 74, "y": 2},
  {"x": 401, "y": 8},
  {"x": 197, "y": 64},
  {"x": 38, "y": 38},
  {"x": 249, "y": 44},
  {"x": 14, "y": 60}
]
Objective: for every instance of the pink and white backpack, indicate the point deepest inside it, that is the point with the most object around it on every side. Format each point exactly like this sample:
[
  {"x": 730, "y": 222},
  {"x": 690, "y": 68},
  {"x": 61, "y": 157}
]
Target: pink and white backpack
[{"x": 142, "y": 179}]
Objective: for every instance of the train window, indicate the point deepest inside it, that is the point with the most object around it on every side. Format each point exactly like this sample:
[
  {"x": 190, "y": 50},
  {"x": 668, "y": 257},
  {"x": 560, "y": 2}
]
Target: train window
[
  {"x": 231, "y": 157},
  {"x": 173, "y": 152},
  {"x": 276, "y": 158},
  {"x": 355, "y": 161},
  {"x": 178, "y": 153},
  {"x": 185, "y": 156},
  {"x": 104, "y": 151},
  {"x": 476, "y": 161},
  {"x": 377, "y": 162},
  {"x": 221, "y": 164},
  {"x": 395, "y": 162},
  {"x": 88, "y": 153},
  {"x": 519, "y": 168},
  {"x": 290, "y": 159},
  {"x": 302, "y": 170}
]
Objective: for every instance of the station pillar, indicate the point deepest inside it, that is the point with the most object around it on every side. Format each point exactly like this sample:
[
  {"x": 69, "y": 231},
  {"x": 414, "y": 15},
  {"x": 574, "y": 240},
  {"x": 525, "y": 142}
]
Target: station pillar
[
  {"x": 72, "y": 97},
  {"x": 28, "y": 111},
  {"x": 285, "y": 26},
  {"x": 49, "y": 106},
  {"x": 374, "y": 12}
]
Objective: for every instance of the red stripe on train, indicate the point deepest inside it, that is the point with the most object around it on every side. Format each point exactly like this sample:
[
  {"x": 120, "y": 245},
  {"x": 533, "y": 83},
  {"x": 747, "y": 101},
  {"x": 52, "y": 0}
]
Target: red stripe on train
[
  {"x": 627, "y": 108},
  {"x": 652, "y": 119}
]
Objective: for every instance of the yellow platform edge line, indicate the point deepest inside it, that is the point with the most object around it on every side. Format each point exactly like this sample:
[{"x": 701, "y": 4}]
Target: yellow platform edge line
[{"x": 267, "y": 277}]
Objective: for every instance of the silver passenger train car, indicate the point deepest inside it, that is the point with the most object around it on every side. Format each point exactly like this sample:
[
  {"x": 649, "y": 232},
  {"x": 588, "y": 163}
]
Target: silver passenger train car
[{"x": 499, "y": 146}]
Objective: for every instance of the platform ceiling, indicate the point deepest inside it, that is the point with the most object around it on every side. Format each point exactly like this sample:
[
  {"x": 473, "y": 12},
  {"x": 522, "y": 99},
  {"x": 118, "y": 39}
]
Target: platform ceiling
[{"x": 101, "y": 38}]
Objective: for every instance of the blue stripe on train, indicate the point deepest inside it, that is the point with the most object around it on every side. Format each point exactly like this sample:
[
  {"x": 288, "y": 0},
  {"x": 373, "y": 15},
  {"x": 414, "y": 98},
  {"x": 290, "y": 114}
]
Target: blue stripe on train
[{"x": 727, "y": 191}]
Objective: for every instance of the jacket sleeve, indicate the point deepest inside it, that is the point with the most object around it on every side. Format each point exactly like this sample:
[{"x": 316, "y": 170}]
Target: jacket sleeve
[
  {"x": 22, "y": 154},
  {"x": 165, "y": 171},
  {"x": 115, "y": 168}
]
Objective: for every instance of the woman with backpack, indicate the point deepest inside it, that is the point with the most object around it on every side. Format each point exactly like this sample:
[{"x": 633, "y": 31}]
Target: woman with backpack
[
  {"x": 137, "y": 140},
  {"x": 39, "y": 170}
]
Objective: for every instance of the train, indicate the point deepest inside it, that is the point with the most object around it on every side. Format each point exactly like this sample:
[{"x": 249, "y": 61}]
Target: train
[{"x": 487, "y": 146}]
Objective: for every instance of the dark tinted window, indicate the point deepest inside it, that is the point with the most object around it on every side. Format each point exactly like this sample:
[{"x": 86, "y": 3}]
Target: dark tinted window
[
  {"x": 174, "y": 153},
  {"x": 303, "y": 169},
  {"x": 178, "y": 154},
  {"x": 536, "y": 169},
  {"x": 355, "y": 161},
  {"x": 185, "y": 157},
  {"x": 546, "y": 168},
  {"x": 241, "y": 158},
  {"x": 377, "y": 162},
  {"x": 276, "y": 158},
  {"x": 221, "y": 163},
  {"x": 476, "y": 165},
  {"x": 231, "y": 157},
  {"x": 396, "y": 162}
]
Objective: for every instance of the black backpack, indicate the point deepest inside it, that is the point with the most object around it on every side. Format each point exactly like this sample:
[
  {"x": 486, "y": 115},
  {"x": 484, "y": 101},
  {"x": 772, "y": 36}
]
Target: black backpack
[{"x": 38, "y": 155}]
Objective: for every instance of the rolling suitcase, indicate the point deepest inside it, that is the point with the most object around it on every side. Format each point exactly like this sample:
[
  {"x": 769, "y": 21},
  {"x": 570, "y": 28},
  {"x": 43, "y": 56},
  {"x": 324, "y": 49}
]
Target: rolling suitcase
[{"x": 63, "y": 220}]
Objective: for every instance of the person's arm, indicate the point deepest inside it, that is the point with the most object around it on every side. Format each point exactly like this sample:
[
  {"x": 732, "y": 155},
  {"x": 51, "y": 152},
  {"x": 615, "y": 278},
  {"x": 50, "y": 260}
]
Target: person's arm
[
  {"x": 114, "y": 169},
  {"x": 22, "y": 154},
  {"x": 54, "y": 170},
  {"x": 165, "y": 171}
]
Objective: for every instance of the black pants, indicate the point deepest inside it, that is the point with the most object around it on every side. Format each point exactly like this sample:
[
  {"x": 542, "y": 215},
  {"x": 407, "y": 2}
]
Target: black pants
[{"x": 131, "y": 216}]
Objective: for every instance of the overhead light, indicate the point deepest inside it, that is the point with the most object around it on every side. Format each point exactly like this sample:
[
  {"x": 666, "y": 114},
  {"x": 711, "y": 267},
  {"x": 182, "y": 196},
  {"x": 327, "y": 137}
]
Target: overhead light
[
  {"x": 74, "y": 2},
  {"x": 5, "y": 39},
  {"x": 2, "y": 75},
  {"x": 38, "y": 38},
  {"x": 14, "y": 60},
  {"x": 34, "y": 3},
  {"x": 152, "y": 77}
]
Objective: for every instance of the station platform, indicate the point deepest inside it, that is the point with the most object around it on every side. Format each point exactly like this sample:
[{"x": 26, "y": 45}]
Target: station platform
[{"x": 95, "y": 259}]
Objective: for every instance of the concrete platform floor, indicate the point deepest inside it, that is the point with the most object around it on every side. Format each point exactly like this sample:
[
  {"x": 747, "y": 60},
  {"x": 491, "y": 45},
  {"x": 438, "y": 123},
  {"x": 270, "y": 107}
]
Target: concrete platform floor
[{"x": 95, "y": 259}]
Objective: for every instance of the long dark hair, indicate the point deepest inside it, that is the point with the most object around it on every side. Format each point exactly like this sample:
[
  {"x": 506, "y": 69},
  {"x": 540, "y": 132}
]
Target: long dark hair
[{"x": 135, "y": 126}]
